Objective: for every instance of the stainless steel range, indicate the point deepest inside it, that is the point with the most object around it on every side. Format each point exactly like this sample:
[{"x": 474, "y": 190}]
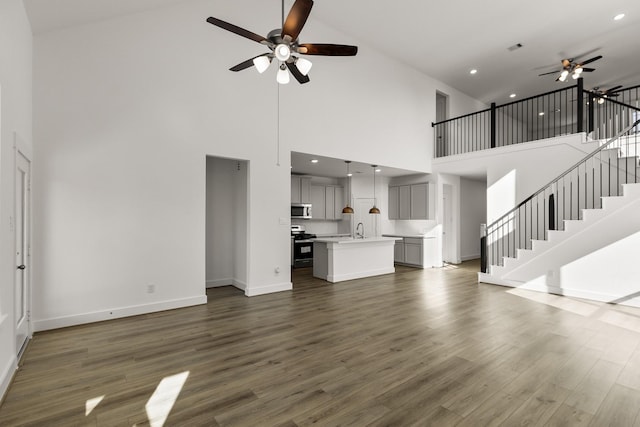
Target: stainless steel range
[{"x": 301, "y": 247}]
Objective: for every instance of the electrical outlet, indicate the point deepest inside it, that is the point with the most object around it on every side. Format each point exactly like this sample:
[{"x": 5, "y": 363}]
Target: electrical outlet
[{"x": 151, "y": 288}]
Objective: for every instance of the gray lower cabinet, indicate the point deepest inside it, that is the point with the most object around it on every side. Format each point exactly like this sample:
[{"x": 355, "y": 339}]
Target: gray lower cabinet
[
  {"x": 413, "y": 251},
  {"x": 409, "y": 251},
  {"x": 398, "y": 251}
]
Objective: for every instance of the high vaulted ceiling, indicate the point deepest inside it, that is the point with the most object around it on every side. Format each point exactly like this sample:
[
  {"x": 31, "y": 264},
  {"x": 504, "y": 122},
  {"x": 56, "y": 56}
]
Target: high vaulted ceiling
[{"x": 447, "y": 39}]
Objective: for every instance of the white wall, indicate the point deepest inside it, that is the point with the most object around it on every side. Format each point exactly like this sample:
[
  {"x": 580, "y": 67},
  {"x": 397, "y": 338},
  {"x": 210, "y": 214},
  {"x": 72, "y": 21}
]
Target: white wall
[
  {"x": 226, "y": 221},
  {"x": 15, "y": 117},
  {"x": 126, "y": 110},
  {"x": 473, "y": 212}
]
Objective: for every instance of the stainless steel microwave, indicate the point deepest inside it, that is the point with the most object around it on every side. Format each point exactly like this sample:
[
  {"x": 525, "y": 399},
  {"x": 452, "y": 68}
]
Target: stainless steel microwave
[{"x": 301, "y": 210}]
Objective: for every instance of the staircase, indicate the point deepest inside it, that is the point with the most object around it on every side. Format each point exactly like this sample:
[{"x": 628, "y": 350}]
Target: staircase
[{"x": 578, "y": 235}]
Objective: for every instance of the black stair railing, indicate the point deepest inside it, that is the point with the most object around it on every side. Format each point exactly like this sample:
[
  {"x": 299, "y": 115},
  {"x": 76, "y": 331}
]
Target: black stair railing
[
  {"x": 600, "y": 174},
  {"x": 555, "y": 113}
]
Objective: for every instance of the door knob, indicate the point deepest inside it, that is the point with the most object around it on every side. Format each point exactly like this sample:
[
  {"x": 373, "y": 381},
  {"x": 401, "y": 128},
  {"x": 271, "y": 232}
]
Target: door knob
[{"x": 21, "y": 267}]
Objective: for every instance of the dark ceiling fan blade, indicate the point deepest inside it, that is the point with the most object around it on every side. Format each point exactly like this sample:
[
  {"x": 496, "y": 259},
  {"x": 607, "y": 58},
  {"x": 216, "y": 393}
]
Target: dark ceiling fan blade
[
  {"x": 246, "y": 64},
  {"x": 237, "y": 30},
  {"x": 590, "y": 60},
  {"x": 588, "y": 70},
  {"x": 301, "y": 78},
  {"x": 614, "y": 89},
  {"x": 296, "y": 19},
  {"x": 328, "y": 49},
  {"x": 546, "y": 74}
]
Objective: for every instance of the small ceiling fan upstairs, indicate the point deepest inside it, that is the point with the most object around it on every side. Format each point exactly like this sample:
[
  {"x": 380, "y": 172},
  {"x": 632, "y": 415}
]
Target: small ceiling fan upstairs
[
  {"x": 569, "y": 66},
  {"x": 601, "y": 94},
  {"x": 284, "y": 45}
]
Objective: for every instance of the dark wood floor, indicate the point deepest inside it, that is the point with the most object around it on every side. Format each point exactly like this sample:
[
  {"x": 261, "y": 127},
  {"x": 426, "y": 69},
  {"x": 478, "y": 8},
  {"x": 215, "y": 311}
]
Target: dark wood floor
[{"x": 421, "y": 347}]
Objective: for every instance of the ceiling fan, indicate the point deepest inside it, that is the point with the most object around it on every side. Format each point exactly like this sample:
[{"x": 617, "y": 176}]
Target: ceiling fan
[
  {"x": 601, "y": 94},
  {"x": 569, "y": 66},
  {"x": 284, "y": 45}
]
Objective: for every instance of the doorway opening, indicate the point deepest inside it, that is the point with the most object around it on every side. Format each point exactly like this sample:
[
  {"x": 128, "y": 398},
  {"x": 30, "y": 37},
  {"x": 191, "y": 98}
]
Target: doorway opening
[
  {"x": 226, "y": 228},
  {"x": 21, "y": 226},
  {"x": 447, "y": 223},
  {"x": 442, "y": 114}
]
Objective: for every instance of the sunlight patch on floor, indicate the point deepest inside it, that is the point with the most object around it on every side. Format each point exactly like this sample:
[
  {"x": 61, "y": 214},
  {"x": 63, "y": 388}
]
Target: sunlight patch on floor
[
  {"x": 163, "y": 398},
  {"x": 582, "y": 308},
  {"x": 91, "y": 404}
]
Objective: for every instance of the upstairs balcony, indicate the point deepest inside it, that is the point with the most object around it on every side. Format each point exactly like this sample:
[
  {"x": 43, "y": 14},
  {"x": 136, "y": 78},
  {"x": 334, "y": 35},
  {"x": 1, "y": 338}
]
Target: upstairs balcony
[{"x": 561, "y": 112}]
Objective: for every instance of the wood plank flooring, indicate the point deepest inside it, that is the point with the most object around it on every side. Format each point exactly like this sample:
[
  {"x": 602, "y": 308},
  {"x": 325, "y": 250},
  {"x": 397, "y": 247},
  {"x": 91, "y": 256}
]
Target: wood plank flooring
[{"x": 421, "y": 347}]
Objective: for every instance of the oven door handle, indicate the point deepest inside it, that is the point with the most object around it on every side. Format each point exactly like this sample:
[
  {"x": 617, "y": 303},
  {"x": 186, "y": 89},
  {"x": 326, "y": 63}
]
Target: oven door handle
[{"x": 303, "y": 241}]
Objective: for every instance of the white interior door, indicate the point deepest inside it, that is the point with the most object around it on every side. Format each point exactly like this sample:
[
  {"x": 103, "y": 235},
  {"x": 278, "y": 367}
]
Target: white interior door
[
  {"x": 361, "y": 215},
  {"x": 22, "y": 232},
  {"x": 447, "y": 222}
]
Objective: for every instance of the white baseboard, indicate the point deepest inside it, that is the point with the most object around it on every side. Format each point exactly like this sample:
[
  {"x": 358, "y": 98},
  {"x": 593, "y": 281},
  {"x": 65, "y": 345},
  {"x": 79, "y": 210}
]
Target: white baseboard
[
  {"x": 269, "y": 289},
  {"x": 238, "y": 284},
  {"x": 98, "y": 316},
  {"x": 469, "y": 257},
  {"x": 218, "y": 283},
  {"x": 7, "y": 376}
]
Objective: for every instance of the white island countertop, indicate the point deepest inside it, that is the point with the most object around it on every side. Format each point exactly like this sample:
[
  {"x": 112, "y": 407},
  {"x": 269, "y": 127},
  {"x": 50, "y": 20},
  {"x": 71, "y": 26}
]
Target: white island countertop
[{"x": 351, "y": 240}]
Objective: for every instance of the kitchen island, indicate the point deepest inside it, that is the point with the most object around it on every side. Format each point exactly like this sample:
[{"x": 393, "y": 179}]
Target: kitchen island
[{"x": 345, "y": 258}]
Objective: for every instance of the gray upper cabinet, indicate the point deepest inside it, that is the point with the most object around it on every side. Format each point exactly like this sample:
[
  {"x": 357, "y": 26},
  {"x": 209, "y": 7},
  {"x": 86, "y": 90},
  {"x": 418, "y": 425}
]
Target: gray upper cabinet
[
  {"x": 300, "y": 189},
  {"x": 404, "y": 208},
  {"x": 420, "y": 201},
  {"x": 394, "y": 200},
  {"x": 409, "y": 201},
  {"x": 318, "y": 205}
]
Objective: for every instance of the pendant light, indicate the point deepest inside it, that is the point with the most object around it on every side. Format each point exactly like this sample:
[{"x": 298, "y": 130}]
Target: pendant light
[
  {"x": 348, "y": 209},
  {"x": 374, "y": 209}
]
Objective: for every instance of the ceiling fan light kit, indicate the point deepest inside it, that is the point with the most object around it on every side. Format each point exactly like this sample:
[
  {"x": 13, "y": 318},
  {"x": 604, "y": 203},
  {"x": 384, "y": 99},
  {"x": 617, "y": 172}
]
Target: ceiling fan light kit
[
  {"x": 574, "y": 68},
  {"x": 284, "y": 45}
]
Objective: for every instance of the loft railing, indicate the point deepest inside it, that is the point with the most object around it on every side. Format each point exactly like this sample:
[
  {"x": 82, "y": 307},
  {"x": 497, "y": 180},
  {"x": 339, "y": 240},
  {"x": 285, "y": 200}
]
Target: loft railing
[
  {"x": 599, "y": 174},
  {"x": 554, "y": 113},
  {"x": 560, "y": 112},
  {"x": 607, "y": 116}
]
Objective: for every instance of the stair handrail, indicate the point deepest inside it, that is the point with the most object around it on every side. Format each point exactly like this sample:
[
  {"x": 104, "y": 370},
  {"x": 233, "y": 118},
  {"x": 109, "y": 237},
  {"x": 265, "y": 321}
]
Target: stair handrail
[{"x": 568, "y": 171}]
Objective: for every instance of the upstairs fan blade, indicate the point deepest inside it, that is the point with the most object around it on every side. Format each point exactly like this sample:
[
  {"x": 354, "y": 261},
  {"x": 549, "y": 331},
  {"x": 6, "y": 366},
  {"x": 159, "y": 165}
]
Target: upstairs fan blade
[
  {"x": 546, "y": 74},
  {"x": 301, "y": 78},
  {"x": 614, "y": 89},
  {"x": 237, "y": 30},
  {"x": 328, "y": 49},
  {"x": 588, "y": 70},
  {"x": 590, "y": 60},
  {"x": 246, "y": 64},
  {"x": 296, "y": 19}
]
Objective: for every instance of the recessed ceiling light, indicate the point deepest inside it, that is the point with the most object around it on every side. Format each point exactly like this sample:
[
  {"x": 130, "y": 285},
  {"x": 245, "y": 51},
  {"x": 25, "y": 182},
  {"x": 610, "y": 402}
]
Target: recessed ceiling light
[
  {"x": 618, "y": 17},
  {"x": 314, "y": 161},
  {"x": 349, "y": 174},
  {"x": 378, "y": 170},
  {"x": 541, "y": 113},
  {"x": 473, "y": 71},
  {"x": 513, "y": 95}
]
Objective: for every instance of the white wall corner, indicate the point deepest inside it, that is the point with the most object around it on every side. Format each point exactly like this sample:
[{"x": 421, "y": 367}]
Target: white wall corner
[
  {"x": 239, "y": 284},
  {"x": 269, "y": 289},
  {"x": 99, "y": 316},
  {"x": 7, "y": 375}
]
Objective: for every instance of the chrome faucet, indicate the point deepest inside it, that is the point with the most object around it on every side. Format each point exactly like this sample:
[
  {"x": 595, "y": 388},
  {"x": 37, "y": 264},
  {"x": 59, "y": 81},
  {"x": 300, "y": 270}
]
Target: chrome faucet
[{"x": 359, "y": 234}]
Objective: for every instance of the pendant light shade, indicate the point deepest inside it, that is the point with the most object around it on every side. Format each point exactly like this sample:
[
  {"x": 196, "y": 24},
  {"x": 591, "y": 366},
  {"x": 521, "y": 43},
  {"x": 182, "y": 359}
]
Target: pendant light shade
[
  {"x": 348, "y": 209},
  {"x": 374, "y": 209}
]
